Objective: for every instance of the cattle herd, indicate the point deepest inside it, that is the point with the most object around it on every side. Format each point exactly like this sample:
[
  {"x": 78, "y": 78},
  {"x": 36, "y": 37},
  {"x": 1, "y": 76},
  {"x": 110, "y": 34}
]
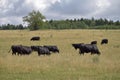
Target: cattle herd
[{"x": 48, "y": 49}]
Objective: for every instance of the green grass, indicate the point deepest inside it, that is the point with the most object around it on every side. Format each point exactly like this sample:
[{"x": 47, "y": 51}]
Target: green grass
[{"x": 69, "y": 64}]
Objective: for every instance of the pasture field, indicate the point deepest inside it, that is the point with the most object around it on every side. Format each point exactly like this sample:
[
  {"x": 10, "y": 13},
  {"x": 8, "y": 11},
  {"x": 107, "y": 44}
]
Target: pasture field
[{"x": 68, "y": 64}]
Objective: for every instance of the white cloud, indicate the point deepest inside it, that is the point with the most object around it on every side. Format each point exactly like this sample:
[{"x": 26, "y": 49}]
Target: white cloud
[
  {"x": 40, "y": 4},
  {"x": 4, "y": 20},
  {"x": 37, "y": 4},
  {"x": 73, "y": 8},
  {"x": 85, "y": 8},
  {"x": 12, "y": 11},
  {"x": 102, "y": 5},
  {"x": 110, "y": 10}
]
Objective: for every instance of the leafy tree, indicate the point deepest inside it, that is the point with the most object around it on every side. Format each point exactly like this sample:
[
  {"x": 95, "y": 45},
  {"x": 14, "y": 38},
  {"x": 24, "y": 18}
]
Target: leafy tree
[
  {"x": 20, "y": 26},
  {"x": 34, "y": 20}
]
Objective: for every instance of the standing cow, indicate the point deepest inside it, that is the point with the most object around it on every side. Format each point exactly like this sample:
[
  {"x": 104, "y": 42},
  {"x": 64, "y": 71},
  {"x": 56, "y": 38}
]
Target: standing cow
[
  {"x": 41, "y": 50},
  {"x": 52, "y": 48},
  {"x": 16, "y": 49},
  {"x": 20, "y": 50},
  {"x": 26, "y": 50},
  {"x": 35, "y": 48},
  {"x": 87, "y": 48}
]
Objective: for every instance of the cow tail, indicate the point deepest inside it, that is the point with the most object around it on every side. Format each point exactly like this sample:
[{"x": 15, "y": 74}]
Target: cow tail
[{"x": 9, "y": 50}]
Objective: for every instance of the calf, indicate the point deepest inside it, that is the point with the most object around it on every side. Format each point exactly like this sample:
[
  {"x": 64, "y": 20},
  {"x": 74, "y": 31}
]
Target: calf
[
  {"x": 104, "y": 41},
  {"x": 36, "y": 38}
]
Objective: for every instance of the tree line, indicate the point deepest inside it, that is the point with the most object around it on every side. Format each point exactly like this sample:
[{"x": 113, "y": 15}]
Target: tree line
[
  {"x": 36, "y": 21},
  {"x": 12, "y": 27},
  {"x": 82, "y": 24}
]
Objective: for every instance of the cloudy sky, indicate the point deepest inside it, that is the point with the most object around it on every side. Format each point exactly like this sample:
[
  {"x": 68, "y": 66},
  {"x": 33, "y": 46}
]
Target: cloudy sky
[{"x": 12, "y": 11}]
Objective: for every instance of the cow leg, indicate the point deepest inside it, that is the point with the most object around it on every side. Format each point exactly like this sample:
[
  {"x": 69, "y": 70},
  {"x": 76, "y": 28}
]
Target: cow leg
[
  {"x": 38, "y": 54},
  {"x": 98, "y": 53},
  {"x": 92, "y": 53},
  {"x": 81, "y": 53},
  {"x": 48, "y": 53},
  {"x": 18, "y": 54},
  {"x": 13, "y": 53}
]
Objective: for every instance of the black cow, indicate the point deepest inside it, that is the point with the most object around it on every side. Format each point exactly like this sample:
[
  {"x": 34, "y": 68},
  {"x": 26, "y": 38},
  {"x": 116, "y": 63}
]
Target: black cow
[
  {"x": 94, "y": 42},
  {"x": 16, "y": 49},
  {"x": 52, "y": 48},
  {"x": 36, "y": 38},
  {"x": 26, "y": 50},
  {"x": 87, "y": 48},
  {"x": 35, "y": 48},
  {"x": 104, "y": 41},
  {"x": 20, "y": 50},
  {"x": 77, "y": 45},
  {"x": 41, "y": 50}
]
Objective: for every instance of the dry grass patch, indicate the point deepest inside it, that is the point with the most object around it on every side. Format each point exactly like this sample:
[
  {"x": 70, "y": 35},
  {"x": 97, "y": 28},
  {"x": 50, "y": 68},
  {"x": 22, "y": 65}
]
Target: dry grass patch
[{"x": 68, "y": 64}]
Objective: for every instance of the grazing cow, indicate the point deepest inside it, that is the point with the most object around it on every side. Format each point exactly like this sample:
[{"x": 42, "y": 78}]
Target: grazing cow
[
  {"x": 94, "y": 42},
  {"x": 25, "y": 50},
  {"x": 36, "y": 38},
  {"x": 52, "y": 48},
  {"x": 20, "y": 50},
  {"x": 86, "y": 48},
  {"x": 35, "y": 48},
  {"x": 77, "y": 45},
  {"x": 43, "y": 51},
  {"x": 104, "y": 41}
]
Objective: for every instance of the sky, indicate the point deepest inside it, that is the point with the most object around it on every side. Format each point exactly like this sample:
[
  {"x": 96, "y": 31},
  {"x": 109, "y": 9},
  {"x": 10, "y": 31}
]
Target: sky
[{"x": 13, "y": 11}]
